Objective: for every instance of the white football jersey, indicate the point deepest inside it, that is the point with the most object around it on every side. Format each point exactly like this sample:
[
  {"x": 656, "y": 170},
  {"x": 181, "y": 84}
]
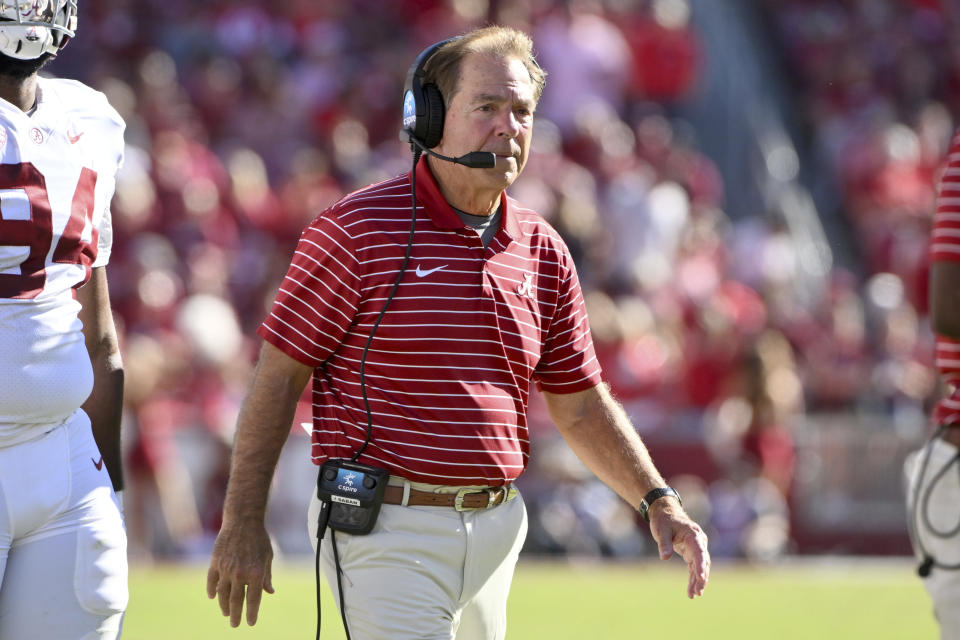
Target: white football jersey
[{"x": 58, "y": 169}]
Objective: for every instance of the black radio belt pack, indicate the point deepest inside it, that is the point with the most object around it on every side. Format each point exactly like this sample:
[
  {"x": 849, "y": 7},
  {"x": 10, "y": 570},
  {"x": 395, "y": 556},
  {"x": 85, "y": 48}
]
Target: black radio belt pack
[{"x": 354, "y": 493}]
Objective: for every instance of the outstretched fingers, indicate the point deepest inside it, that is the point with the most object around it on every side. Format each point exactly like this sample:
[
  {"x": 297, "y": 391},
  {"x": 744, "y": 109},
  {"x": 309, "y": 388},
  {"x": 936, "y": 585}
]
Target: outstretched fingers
[
  {"x": 691, "y": 544},
  {"x": 213, "y": 579},
  {"x": 232, "y": 588},
  {"x": 240, "y": 571}
]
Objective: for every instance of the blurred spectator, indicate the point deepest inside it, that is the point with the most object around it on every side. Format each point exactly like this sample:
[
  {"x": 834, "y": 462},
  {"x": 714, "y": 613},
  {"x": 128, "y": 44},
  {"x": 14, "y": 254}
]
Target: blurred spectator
[{"x": 246, "y": 120}]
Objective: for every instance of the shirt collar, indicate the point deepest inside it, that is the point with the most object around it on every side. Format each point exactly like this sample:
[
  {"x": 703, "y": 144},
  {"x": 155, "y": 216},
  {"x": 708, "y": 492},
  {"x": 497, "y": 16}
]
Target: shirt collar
[{"x": 443, "y": 215}]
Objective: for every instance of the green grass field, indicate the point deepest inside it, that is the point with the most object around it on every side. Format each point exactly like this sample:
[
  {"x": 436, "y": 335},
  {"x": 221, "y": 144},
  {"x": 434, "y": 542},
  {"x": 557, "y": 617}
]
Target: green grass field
[{"x": 821, "y": 599}]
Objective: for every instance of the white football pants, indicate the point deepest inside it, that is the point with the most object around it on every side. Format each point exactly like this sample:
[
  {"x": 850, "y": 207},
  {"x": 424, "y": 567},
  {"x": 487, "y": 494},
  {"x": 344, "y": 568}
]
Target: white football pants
[
  {"x": 943, "y": 513},
  {"x": 63, "y": 548},
  {"x": 426, "y": 573}
]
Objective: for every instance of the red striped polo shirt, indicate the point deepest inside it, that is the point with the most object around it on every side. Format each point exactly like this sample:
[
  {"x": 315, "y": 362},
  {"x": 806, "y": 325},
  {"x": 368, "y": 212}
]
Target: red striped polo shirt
[
  {"x": 448, "y": 372},
  {"x": 945, "y": 247}
]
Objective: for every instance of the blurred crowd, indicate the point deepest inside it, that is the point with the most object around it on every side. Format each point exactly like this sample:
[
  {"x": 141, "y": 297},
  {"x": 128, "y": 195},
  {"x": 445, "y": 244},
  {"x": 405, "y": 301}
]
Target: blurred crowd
[{"x": 247, "y": 118}]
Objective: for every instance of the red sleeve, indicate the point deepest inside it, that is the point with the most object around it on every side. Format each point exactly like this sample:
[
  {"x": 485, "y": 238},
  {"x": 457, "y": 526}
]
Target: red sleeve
[
  {"x": 945, "y": 239},
  {"x": 318, "y": 297},
  {"x": 568, "y": 362}
]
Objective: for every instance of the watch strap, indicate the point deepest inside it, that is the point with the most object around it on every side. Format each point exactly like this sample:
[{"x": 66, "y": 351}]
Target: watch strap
[{"x": 655, "y": 495}]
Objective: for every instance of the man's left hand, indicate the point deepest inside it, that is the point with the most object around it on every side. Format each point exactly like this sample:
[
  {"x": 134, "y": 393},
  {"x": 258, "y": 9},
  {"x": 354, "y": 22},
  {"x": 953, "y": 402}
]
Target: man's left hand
[{"x": 673, "y": 530}]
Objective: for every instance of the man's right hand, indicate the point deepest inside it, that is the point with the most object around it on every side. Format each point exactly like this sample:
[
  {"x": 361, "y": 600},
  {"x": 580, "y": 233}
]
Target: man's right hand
[{"x": 240, "y": 567}]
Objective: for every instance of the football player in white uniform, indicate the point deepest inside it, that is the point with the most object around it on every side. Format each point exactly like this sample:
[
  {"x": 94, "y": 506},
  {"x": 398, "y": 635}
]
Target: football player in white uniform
[{"x": 63, "y": 567}]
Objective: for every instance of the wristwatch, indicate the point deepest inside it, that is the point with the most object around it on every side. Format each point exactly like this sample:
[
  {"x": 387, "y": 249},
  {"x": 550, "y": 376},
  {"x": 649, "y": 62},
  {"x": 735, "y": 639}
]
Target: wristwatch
[{"x": 652, "y": 497}]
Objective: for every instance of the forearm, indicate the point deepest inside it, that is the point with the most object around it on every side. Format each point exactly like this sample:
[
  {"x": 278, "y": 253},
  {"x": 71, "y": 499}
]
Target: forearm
[
  {"x": 262, "y": 429},
  {"x": 599, "y": 432},
  {"x": 601, "y": 435},
  {"x": 104, "y": 406}
]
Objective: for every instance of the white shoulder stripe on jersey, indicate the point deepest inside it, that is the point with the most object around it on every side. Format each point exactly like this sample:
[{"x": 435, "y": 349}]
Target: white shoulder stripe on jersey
[
  {"x": 311, "y": 307},
  {"x": 300, "y": 285},
  {"x": 346, "y": 251},
  {"x": 300, "y": 333},
  {"x": 553, "y": 364},
  {"x": 565, "y": 383},
  {"x": 314, "y": 260},
  {"x": 288, "y": 341},
  {"x": 396, "y": 182},
  {"x": 381, "y": 195}
]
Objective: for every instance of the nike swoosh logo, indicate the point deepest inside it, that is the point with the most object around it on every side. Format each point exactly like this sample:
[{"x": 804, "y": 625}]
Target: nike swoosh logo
[
  {"x": 73, "y": 139},
  {"x": 421, "y": 272},
  {"x": 97, "y": 463}
]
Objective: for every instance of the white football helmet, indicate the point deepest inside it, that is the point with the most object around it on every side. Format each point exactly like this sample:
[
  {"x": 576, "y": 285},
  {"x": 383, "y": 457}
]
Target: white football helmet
[{"x": 31, "y": 28}]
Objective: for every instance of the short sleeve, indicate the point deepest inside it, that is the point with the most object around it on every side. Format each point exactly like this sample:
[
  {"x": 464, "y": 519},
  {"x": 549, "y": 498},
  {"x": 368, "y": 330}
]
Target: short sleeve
[
  {"x": 568, "y": 362},
  {"x": 104, "y": 239},
  {"x": 318, "y": 297},
  {"x": 945, "y": 237}
]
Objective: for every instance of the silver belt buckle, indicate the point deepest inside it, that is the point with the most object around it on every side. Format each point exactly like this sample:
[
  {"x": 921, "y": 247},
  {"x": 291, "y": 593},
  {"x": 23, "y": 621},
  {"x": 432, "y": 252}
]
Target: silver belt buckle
[{"x": 462, "y": 493}]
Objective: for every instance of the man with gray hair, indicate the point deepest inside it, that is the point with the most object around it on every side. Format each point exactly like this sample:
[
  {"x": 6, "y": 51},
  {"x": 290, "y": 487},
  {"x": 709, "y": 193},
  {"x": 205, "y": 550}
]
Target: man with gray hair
[{"x": 422, "y": 308}]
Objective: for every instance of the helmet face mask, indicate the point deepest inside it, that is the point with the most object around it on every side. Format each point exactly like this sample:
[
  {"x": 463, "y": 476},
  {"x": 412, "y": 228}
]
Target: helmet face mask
[{"x": 32, "y": 28}]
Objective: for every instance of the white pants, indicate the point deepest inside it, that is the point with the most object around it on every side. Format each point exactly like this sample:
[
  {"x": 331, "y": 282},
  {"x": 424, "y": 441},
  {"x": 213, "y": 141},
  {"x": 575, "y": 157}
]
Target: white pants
[
  {"x": 943, "y": 512},
  {"x": 427, "y": 573},
  {"x": 63, "y": 548}
]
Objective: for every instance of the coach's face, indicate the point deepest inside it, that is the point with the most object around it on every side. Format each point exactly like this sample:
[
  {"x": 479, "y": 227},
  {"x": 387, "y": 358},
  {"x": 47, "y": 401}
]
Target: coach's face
[{"x": 492, "y": 110}]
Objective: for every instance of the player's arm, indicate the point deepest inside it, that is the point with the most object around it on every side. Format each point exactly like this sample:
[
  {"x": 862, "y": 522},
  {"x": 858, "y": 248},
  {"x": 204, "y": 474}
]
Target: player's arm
[
  {"x": 105, "y": 404},
  {"x": 945, "y": 298},
  {"x": 242, "y": 554},
  {"x": 600, "y": 434}
]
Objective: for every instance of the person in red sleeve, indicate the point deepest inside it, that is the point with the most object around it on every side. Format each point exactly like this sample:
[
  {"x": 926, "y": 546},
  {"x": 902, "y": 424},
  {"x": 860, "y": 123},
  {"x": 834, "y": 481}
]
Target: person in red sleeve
[
  {"x": 933, "y": 489},
  {"x": 443, "y": 350}
]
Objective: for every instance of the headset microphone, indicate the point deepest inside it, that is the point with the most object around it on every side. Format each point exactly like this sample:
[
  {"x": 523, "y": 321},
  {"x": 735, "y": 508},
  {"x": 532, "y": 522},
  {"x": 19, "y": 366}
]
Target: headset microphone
[{"x": 474, "y": 159}]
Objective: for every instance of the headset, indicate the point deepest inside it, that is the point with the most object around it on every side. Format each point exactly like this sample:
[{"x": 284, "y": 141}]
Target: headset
[
  {"x": 424, "y": 111},
  {"x": 352, "y": 505},
  {"x": 920, "y": 509}
]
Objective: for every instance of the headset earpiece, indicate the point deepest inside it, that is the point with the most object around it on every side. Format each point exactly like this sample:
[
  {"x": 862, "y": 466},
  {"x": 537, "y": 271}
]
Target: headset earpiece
[
  {"x": 423, "y": 106},
  {"x": 436, "y": 111}
]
